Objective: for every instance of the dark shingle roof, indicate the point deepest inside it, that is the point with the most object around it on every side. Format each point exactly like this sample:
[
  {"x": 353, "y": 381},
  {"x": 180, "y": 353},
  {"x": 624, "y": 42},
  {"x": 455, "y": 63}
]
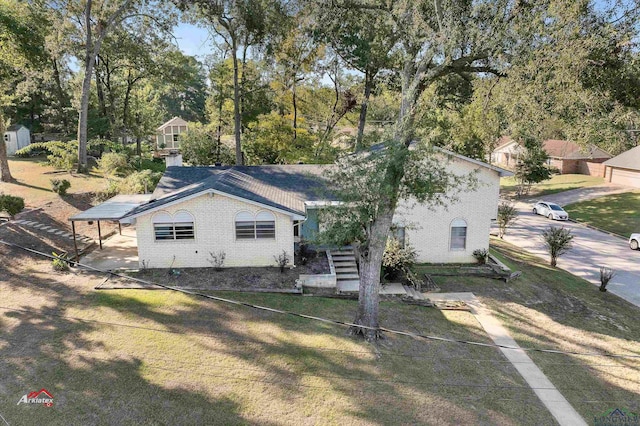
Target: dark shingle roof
[
  {"x": 14, "y": 127},
  {"x": 284, "y": 187}
]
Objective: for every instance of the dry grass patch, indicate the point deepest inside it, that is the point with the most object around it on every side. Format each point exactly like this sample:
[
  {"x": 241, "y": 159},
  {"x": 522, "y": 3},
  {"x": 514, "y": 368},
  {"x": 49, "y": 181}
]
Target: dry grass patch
[
  {"x": 32, "y": 181},
  {"x": 143, "y": 357},
  {"x": 550, "y": 308}
]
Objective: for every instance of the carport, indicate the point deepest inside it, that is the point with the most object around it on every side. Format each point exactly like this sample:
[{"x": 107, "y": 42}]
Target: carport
[{"x": 111, "y": 210}]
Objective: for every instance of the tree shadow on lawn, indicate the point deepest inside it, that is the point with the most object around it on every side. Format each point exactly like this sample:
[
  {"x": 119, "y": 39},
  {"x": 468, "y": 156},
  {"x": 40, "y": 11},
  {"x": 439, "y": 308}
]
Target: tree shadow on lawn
[
  {"x": 156, "y": 356},
  {"x": 380, "y": 386},
  {"x": 43, "y": 347},
  {"x": 561, "y": 311}
]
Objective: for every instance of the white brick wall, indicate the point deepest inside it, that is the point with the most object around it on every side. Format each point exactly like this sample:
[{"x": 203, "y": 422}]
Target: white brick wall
[
  {"x": 214, "y": 231},
  {"x": 431, "y": 235}
]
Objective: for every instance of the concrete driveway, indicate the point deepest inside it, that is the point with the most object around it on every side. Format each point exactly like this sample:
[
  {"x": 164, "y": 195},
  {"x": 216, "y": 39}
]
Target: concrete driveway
[
  {"x": 583, "y": 194},
  {"x": 591, "y": 249}
]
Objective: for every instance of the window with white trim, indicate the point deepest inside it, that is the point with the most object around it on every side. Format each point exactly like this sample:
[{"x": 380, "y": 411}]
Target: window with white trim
[
  {"x": 458, "y": 235},
  {"x": 262, "y": 226},
  {"x": 180, "y": 226},
  {"x": 245, "y": 226}
]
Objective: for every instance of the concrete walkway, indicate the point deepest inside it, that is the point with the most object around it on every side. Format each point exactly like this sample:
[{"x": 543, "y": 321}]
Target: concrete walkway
[
  {"x": 556, "y": 403},
  {"x": 583, "y": 194}
]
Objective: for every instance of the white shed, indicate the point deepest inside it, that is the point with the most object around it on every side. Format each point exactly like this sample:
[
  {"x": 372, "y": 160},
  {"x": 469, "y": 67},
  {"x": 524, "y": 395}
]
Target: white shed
[{"x": 16, "y": 137}]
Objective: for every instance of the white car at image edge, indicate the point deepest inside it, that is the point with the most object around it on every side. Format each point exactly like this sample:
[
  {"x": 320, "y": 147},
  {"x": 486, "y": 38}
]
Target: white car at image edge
[
  {"x": 550, "y": 210},
  {"x": 634, "y": 241}
]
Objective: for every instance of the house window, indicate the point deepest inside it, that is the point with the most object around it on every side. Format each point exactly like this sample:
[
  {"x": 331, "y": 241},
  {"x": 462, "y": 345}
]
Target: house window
[
  {"x": 265, "y": 225},
  {"x": 245, "y": 226},
  {"x": 177, "y": 227},
  {"x": 262, "y": 226},
  {"x": 458, "y": 235}
]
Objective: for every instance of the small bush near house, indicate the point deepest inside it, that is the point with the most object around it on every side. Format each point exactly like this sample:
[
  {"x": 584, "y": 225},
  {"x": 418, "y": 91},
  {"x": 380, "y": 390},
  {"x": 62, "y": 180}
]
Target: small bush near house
[
  {"x": 114, "y": 164},
  {"x": 507, "y": 214},
  {"x": 606, "y": 275},
  {"x": 282, "y": 260},
  {"x": 60, "y": 186},
  {"x": 397, "y": 259},
  {"x": 217, "y": 260},
  {"x": 481, "y": 255},
  {"x": 10, "y": 204},
  {"x": 59, "y": 262}
]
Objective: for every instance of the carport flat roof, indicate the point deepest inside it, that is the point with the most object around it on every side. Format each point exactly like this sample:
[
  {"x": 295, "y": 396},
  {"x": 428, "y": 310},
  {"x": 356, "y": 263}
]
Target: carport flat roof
[{"x": 112, "y": 209}]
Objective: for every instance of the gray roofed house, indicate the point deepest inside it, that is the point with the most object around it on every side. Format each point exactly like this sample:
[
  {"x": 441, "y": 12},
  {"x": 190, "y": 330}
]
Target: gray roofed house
[
  {"x": 624, "y": 169},
  {"x": 253, "y": 213}
]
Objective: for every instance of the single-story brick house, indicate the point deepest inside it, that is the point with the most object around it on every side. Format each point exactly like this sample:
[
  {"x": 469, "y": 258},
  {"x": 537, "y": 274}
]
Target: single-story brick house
[
  {"x": 624, "y": 169},
  {"x": 253, "y": 213},
  {"x": 568, "y": 157}
]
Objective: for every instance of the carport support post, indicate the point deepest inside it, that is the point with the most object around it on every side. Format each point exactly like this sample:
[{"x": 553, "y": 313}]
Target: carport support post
[
  {"x": 99, "y": 236},
  {"x": 75, "y": 243},
  {"x": 119, "y": 228}
]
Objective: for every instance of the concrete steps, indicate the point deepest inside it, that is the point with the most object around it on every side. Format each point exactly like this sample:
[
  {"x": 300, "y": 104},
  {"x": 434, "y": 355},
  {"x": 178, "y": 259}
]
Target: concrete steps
[{"x": 347, "y": 277}]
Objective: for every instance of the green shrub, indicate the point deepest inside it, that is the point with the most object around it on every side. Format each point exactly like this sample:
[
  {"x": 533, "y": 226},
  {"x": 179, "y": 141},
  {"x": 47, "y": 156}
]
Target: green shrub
[
  {"x": 62, "y": 155},
  {"x": 141, "y": 182},
  {"x": 60, "y": 186},
  {"x": 114, "y": 164},
  {"x": 397, "y": 259},
  {"x": 153, "y": 164},
  {"x": 282, "y": 260},
  {"x": 59, "y": 262},
  {"x": 481, "y": 255},
  {"x": 10, "y": 204}
]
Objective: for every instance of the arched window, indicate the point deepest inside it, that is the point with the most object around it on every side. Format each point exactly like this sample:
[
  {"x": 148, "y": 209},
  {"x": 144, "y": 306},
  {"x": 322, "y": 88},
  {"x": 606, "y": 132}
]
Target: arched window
[
  {"x": 263, "y": 225},
  {"x": 245, "y": 226},
  {"x": 176, "y": 227},
  {"x": 183, "y": 225},
  {"x": 458, "y": 235}
]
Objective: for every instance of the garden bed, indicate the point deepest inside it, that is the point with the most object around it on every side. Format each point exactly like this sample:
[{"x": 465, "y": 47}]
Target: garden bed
[{"x": 245, "y": 278}]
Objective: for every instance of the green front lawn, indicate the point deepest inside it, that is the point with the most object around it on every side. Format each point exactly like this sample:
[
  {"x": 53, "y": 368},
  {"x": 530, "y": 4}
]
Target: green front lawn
[
  {"x": 160, "y": 357},
  {"x": 557, "y": 183},
  {"x": 550, "y": 308},
  {"x": 618, "y": 213},
  {"x": 33, "y": 181}
]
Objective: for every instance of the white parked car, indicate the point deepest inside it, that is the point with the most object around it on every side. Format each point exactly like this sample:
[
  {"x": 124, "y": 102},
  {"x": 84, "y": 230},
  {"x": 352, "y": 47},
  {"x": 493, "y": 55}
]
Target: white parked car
[
  {"x": 634, "y": 241},
  {"x": 550, "y": 210}
]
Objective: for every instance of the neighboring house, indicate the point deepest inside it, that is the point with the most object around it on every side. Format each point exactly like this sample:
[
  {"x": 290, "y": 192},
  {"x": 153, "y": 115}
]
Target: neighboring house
[
  {"x": 16, "y": 137},
  {"x": 624, "y": 169},
  {"x": 566, "y": 156},
  {"x": 168, "y": 135},
  {"x": 569, "y": 157},
  {"x": 254, "y": 213},
  {"x": 507, "y": 153}
]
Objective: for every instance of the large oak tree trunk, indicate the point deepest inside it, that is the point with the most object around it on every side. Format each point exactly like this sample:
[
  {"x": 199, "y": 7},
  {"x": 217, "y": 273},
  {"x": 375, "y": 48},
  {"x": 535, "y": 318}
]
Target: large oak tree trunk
[
  {"x": 5, "y": 173},
  {"x": 370, "y": 261}
]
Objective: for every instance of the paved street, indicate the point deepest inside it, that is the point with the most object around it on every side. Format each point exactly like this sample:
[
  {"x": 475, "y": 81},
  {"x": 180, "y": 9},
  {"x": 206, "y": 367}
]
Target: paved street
[{"x": 591, "y": 249}]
